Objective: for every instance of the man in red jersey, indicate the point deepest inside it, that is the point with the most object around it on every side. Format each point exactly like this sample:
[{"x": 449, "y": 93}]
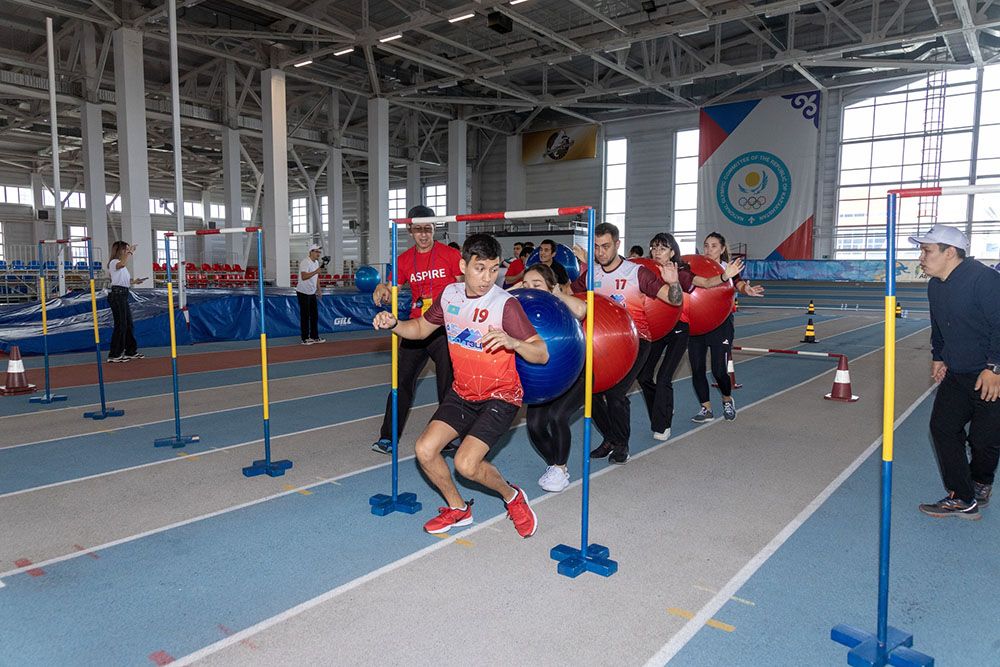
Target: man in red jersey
[{"x": 428, "y": 267}]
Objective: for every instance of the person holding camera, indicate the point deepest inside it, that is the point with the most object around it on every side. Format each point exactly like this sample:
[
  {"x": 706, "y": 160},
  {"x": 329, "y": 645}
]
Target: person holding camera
[
  {"x": 123, "y": 345},
  {"x": 308, "y": 292}
]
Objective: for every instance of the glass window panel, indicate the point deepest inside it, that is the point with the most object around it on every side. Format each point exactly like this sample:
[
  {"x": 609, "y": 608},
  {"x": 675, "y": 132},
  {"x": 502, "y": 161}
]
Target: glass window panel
[
  {"x": 887, "y": 118},
  {"x": 855, "y": 156},
  {"x": 956, "y": 147},
  {"x": 686, "y": 196},
  {"x": 985, "y": 245},
  {"x": 685, "y": 221},
  {"x": 854, "y": 193},
  {"x": 617, "y": 219},
  {"x": 989, "y": 141},
  {"x": 958, "y": 110},
  {"x": 986, "y": 206},
  {"x": 887, "y": 153},
  {"x": 858, "y": 122},
  {"x": 855, "y": 176},
  {"x": 953, "y": 208},
  {"x": 911, "y": 172},
  {"x": 247, "y": 212},
  {"x": 615, "y": 201},
  {"x": 616, "y": 177},
  {"x": 686, "y": 170},
  {"x": 687, "y": 143},
  {"x": 885, "y": 174},
  {"x": 961, "y": 75},
  {"x": 955, "y": 170},
  {"x": 914, "y": 121},
  {"x": 617, "y": 151}
]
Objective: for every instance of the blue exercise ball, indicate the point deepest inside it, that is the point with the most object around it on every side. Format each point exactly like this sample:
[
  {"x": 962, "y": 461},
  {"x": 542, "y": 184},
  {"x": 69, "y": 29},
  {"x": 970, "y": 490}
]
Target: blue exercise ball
[
  {"x": 563, "y": 336},
  {"x": 366, "y": 279},
  {"x": 564, "y": 255}
]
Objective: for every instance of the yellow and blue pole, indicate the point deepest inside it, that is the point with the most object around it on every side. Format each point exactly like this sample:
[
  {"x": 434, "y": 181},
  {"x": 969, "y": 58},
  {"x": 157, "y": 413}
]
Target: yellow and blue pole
[
  {"x": 265, "y": 465},
  {"x": 380, "y": 503},
  {"x": 889, "y": 645},
  {"x": 177, "y": 440},
  {"x": 589, "y": 557},
  {"x": 48, "y": 396},
  {"x": 105, "y": 411}
]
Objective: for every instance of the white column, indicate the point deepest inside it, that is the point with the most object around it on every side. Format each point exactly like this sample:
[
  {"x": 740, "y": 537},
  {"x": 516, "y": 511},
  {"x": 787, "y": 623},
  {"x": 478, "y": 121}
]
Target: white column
[
  {"x": 93, "y": 178},
  {"x": 414, "y": 195},
  {"x": 231, "y": 175},
  {"x": 378, "y": 182},
  {"x": 334, "y": 242},
  {"x": 458, "y": 183},
  {"x": 133, "y": 159},
  {"x": 516, "y": 200},
  {"x": 276, "y": 250}
]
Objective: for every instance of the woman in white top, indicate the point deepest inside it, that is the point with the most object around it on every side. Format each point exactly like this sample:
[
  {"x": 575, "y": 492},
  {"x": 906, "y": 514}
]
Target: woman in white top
[{"x": 123, "y": 345}]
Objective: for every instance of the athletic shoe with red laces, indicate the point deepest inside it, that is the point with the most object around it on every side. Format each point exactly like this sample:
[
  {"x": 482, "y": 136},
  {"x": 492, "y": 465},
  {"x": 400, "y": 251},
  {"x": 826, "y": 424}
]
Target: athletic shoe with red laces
[
  {"x": 449, "y": 518},
  {"x": 518, "y": 511}
]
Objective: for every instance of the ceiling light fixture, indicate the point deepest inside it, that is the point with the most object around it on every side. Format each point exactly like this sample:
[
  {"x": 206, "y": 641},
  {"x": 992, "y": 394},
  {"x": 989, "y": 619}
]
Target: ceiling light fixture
[
  {"x": 461, "y": 18},
  {"x": 390, "y": 38},
  {"x": 303, "y": 63},
  {"x": 616, "y": 49},
  {"x": 344, "y": 52},
  {"x": 517, "y": 2},
  {"x": 693, "y": 31}
]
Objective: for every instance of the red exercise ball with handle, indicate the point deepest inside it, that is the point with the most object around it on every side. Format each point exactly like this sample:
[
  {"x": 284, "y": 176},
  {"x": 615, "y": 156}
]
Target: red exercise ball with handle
[
  {"x": 661, "y": 315},
  {"x": 710, "y": 306},
  {"x": 616, "y": 342}
]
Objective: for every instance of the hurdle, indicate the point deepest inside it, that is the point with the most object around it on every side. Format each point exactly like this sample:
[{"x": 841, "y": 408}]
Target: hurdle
[
  {"x": 264, "y": 466},
  {"x": 177, "y": 440},
  {"x": 105, "y": 411},
  {"x": 891, "y": 645},
  {"x": 48, "y": 396}
]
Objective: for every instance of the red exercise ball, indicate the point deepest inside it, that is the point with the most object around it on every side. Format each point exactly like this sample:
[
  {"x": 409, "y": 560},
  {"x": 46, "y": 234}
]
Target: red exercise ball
[
  {"x": 661, "y": 316},
  {"x": 616, "y": 342},
  {"x": 710, "y": 306}
]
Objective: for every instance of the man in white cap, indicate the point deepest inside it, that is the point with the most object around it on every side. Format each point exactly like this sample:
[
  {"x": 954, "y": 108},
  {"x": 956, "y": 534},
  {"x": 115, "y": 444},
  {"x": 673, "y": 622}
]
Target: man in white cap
[
  {"x": 964, "y": 298},
  {"x": 308, "y": 292}
]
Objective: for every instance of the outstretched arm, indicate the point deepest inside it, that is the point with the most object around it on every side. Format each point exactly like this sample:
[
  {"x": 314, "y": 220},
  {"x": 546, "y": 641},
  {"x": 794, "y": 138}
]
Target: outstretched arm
[{"x": 417, "y": 329}]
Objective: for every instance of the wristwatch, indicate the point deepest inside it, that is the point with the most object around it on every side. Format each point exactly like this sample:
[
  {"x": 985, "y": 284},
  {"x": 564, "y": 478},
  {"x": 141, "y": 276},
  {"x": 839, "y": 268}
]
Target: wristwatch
[{"x": 994, "y": 367}]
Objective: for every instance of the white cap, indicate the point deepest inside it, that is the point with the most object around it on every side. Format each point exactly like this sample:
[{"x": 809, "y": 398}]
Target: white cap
[
  {"x": 943, "y": 234},
  {"x": 315, "y": 246}
]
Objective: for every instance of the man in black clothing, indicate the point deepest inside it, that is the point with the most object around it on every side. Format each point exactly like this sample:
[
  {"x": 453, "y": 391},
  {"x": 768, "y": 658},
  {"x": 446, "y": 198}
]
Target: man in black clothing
[
  {"x": 964, "y": 298},
  {"x": 546, "y": 256}
]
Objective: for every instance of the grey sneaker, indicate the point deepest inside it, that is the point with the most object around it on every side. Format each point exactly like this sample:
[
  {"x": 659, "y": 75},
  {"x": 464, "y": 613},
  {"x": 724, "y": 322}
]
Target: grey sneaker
[
  {"x": 704, "y": 415},
  {"x": 382, "y": 446},
  {"x": 952, "y": 506},
  {"x": 729, "y": 410},
  {"x": 983, "y": 492}
]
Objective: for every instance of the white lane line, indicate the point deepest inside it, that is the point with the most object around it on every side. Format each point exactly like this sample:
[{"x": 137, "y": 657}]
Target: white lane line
[
  {"x": 329, "y": 595},
  {"x": 711, "y": 608}
]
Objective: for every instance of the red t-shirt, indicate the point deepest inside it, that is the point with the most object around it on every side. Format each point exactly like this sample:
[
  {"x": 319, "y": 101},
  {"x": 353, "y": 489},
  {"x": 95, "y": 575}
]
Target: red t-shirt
[
  {"x": 515, "y": 267},
  {"x": 428, "y": 273},
  {"x": 626, "y": 285}
]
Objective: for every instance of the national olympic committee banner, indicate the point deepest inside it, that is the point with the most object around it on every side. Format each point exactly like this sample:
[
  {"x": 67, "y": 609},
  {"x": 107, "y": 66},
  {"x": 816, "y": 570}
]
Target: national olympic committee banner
[
  {"x": 559, "y": 145},
  {"x": 757, "y": 174}
]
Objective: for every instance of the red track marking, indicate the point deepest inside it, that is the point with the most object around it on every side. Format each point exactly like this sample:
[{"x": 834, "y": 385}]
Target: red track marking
[
  {"x": 245, "y": 642},
  {"x": 86, "y": 551},
  {"x": 161, "y": 658},
  {"x": 24, "y": 562}
]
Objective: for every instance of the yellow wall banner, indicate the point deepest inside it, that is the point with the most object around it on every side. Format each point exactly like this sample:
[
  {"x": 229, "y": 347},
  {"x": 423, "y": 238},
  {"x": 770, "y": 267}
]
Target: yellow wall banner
[{"x": 559, "y": 145}]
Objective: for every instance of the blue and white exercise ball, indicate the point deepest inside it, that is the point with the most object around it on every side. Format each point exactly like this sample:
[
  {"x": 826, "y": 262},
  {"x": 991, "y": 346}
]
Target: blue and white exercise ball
[
  {"x": 564, "y": 255},
  {"x": 564, "y": 339}
]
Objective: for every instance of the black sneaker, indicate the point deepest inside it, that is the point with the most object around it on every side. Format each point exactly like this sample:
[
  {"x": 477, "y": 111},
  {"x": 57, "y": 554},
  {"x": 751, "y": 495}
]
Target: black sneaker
[
  {"x": 602, "y": 450},
  {"x": 983, "y": 492},
  {"x": 952, "y": 506},
  {"x": 619, "y": 455},
  {"x": 382, "y": 446}
]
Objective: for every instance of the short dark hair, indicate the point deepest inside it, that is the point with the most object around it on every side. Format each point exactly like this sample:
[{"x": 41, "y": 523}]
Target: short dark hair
[
  {"x": 454, "y": 245},
  {"x": 546, "y": 272},
  {"x": 482, "y": 246},
  {"x": 548, "y": 242},
  {"x": 519, "y": 243},
  {"x": 635, "y": 250},
  {"x": 525, "y": 252},
  {"x": 606, "y": 228},
  {"x": 529, "y": 244},
  {"x": 420, "y": 211},
  {"x": 959, "y": 252}
]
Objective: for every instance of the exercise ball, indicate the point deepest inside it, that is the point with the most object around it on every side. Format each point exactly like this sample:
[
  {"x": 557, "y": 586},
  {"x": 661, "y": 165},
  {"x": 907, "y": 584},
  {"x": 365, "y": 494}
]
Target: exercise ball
[
  {"x": 366, "y": 279},
  {"x": 564, "y": 339},
  {"x": 709, "y": 306},
  {"x": 661, "y": 316},
  {"x": 616, "y": 342},
  {"x": 564, "y": 255}
]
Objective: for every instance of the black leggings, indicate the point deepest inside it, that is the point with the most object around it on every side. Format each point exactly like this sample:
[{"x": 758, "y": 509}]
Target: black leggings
[
  {"x": 612, "y": 408},
  {"x": 122, "y": 336},
  {"x": 720, "y": 342},
  {"x": 548, "y": 424},
  {"x": 413, "y": 357},
  {"x": 308, "y": 315},
  {"x": 659, "y": 393}
]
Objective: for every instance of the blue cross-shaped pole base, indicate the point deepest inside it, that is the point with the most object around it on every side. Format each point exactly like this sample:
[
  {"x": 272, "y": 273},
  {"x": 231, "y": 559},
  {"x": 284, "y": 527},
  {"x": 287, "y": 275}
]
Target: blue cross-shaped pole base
[
  {"x": 404, "y": 502},
  {"x": 176, "y": 441},
  {"x": 265, "y": 467},
  {"x": 865, "y": 651},
  {"x": 573, "y": 562},
  {"x": 47, "y": 398},
  {"x": 98, "y": 415}
]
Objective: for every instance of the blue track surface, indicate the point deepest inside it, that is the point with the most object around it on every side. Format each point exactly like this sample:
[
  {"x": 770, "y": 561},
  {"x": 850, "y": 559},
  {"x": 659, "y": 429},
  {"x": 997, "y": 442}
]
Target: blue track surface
[{"x": 247, "y": 565}]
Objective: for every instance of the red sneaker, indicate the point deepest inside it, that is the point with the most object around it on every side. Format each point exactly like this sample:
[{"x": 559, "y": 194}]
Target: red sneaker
[
  {"x": 449, "y": 518},
  {"x": 518, "y": 511}
]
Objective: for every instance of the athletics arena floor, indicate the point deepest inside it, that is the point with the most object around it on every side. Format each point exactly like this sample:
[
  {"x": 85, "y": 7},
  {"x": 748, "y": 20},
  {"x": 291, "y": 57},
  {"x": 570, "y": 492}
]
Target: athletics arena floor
[{"x": 739, "y": 543}]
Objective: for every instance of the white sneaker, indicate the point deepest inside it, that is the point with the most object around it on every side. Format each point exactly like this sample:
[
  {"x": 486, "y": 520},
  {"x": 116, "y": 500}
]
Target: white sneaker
[
  {"x": 318, "y": 340},
  {"x": 661, "y": 435},
  {"x": 554, "y": 479},
  {"x": 307, "y": 341}
]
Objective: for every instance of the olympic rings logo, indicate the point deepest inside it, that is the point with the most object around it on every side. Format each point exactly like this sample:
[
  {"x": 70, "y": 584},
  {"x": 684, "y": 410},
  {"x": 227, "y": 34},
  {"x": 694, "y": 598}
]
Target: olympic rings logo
[
  {"x": 749, "y": 206},
  {"x": 753, "y": 202}
]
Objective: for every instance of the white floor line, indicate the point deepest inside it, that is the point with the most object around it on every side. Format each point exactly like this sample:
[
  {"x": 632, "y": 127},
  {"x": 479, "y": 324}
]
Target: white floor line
[
  {"x": 691, "y": 628},
  {"x": 191, "y": 391},
  {"x": 329, "y": 595}
]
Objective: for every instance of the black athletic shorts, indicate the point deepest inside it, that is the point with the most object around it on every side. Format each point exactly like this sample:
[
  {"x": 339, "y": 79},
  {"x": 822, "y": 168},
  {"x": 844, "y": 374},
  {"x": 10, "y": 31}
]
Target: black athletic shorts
[{"x": 487, "y": 420}]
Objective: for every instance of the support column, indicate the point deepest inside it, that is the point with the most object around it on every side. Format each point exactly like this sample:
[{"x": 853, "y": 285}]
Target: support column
[
  {"x": 334, "y": 241},
  {"x": 458, "y": 183},
  {"x": 92, "y": 133},
  {"x": 516, "y": 181},
  {"x": 133, "y": 159},
  {"x": 414, "y": 194},
  {"x": 378, "y": 182},
  {"x": 231, "y": 174},
  {"x": 277, "y": 256}
]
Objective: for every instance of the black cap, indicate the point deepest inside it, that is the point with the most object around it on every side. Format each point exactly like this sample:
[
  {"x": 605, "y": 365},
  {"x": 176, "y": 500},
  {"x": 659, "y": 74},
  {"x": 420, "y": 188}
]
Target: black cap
[{"x": 420, "y": 211}]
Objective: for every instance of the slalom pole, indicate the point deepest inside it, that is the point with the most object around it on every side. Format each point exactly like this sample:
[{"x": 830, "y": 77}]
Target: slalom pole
[
  {"x": 177, "y": 440},
  {"x": 265, "y": 465},
  {"x": 47, "y": 397},
  {"x": 105, "y": 411}
]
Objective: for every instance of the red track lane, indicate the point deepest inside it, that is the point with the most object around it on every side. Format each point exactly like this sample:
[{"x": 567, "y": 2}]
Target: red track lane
[{"x": 79, "y": 375}]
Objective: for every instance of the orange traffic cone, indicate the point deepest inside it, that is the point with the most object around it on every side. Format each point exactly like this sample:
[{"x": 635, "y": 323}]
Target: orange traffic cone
[
  {"x": 17, "y": 381},
  {"x": 730, "y": 367},
  {"x": 842, "y": 384}
]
